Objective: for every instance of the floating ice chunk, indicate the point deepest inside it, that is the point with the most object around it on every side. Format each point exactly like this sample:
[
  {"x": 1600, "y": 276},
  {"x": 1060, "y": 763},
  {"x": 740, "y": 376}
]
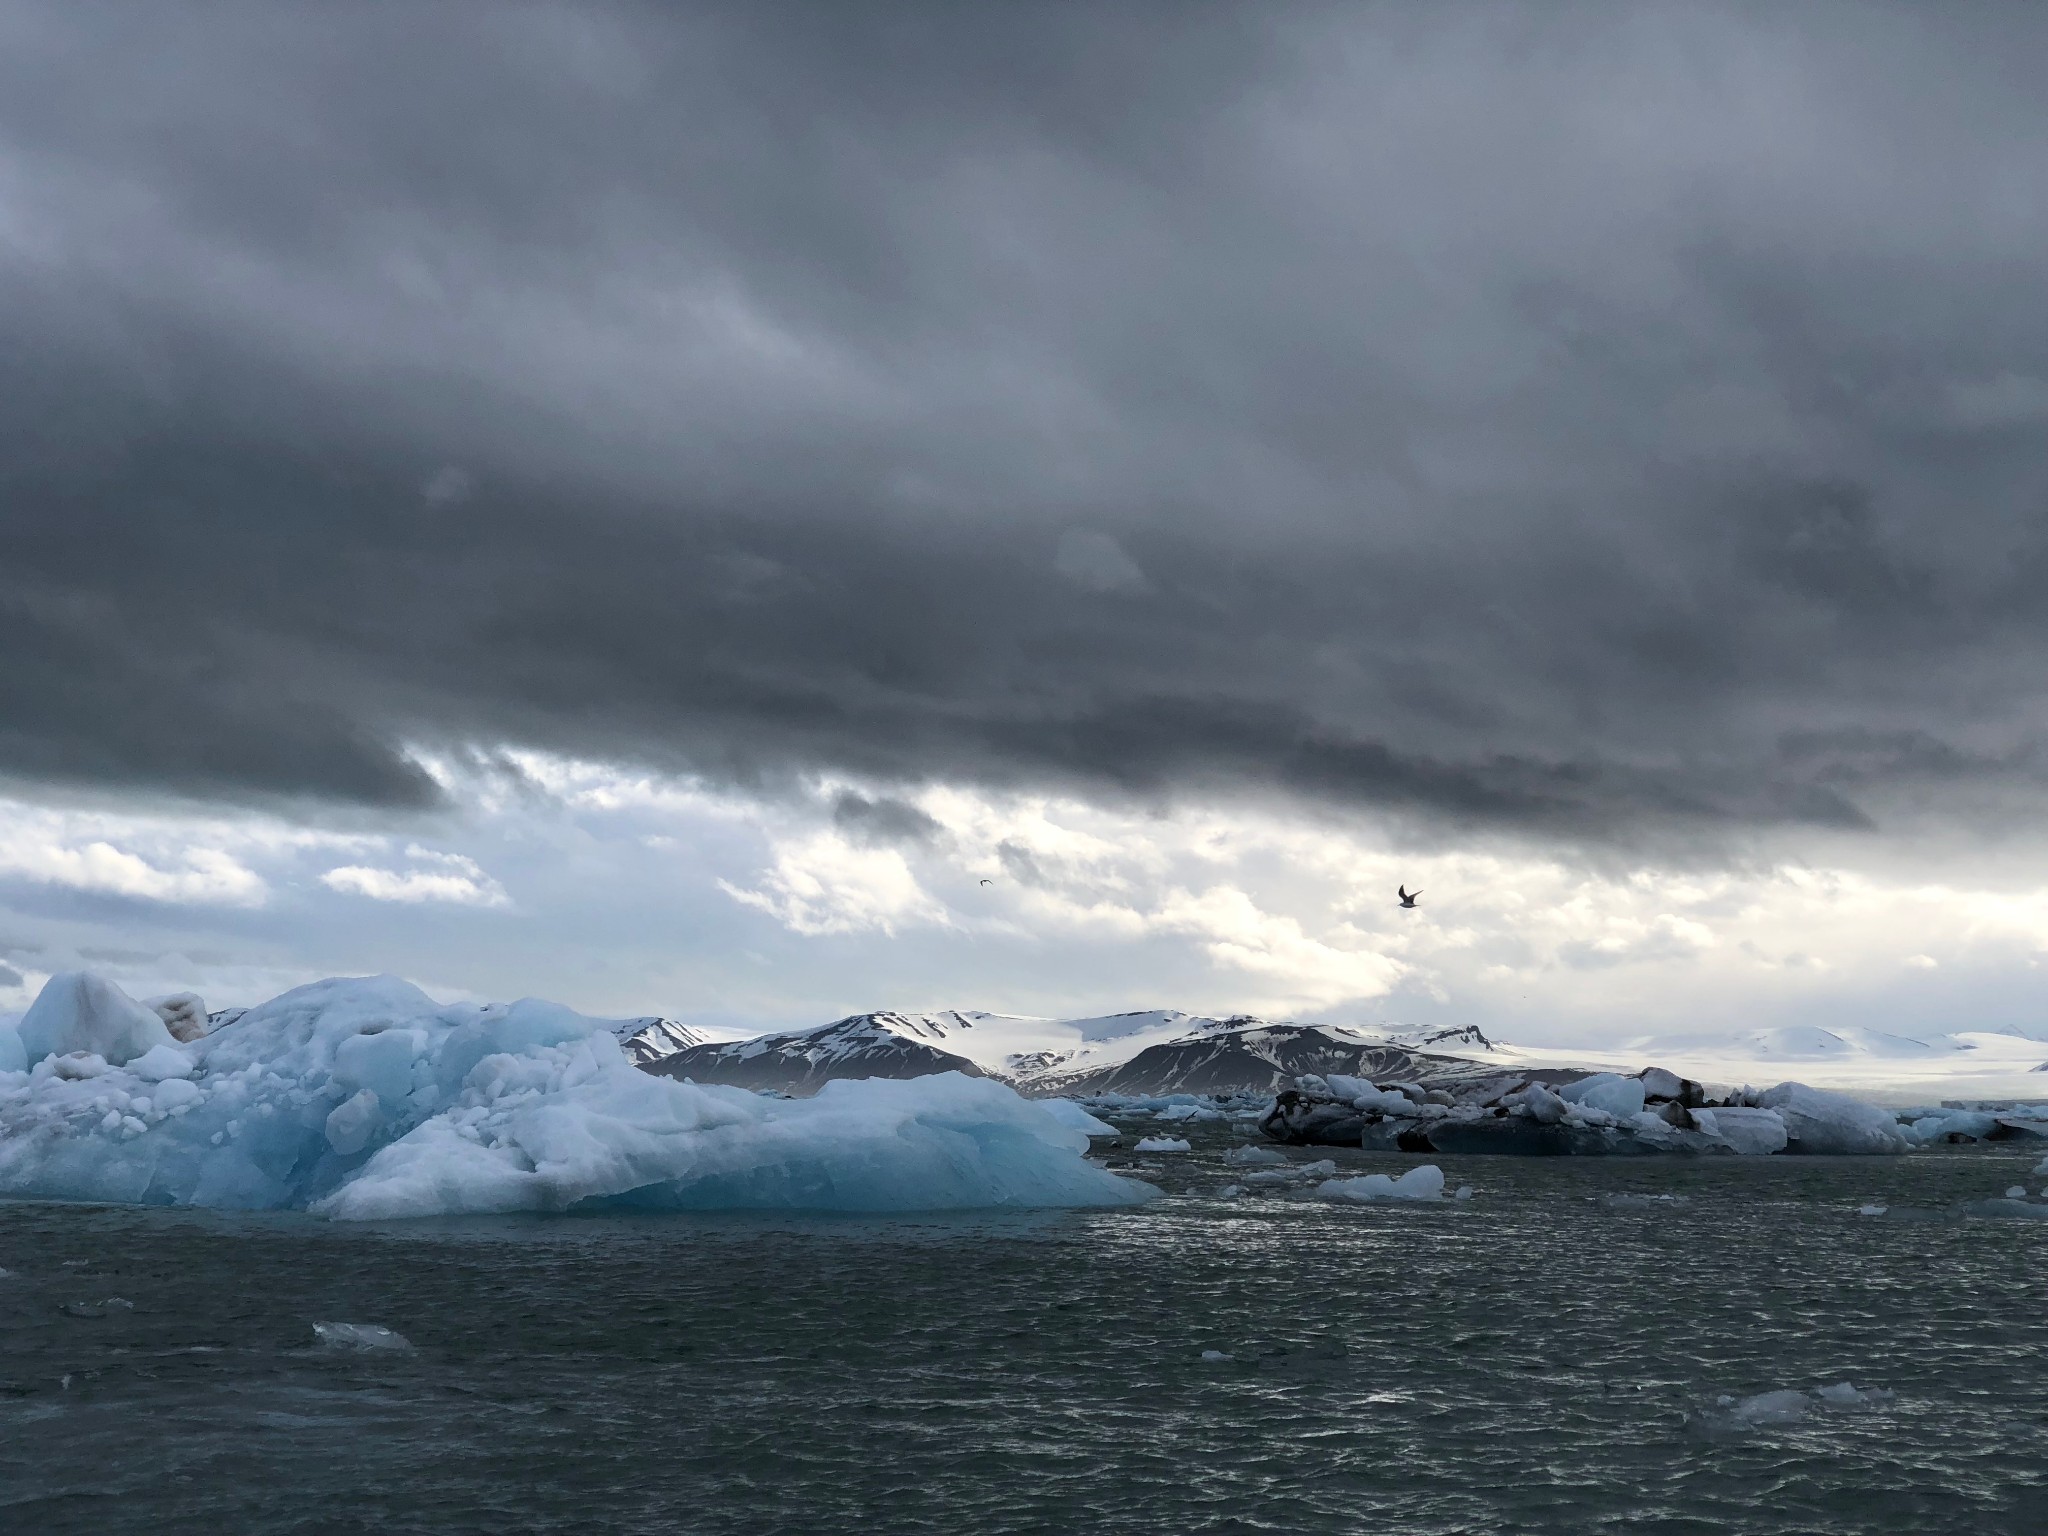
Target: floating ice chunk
[
  {"x": 1746, "y": 1130},
  {"x": 1214, "y": 1355},
  {"x": 1789, "y": 1405},
  {"x": 1423, "y": 1183},
  {"x": 1162, "y": 1144},
  {"x": 1322, "y": 1168},
  {"x": 1075, "y": 1118},
  {"x": 1252, "y": 1156},
  {"x": 1230, "y": 1192},
  {"x": 82, "y": 1011},
  {"x": 1843, "y": 1394},
  {"x": 1464, "y": 1192},
  {"x": 2016, "y": 1192},
  {"x": 361, "y": 1336},
  {"x": 1818, "y": 1121},
  {"x": 1872, "y": 1210},
  {"x": 2041, "y": 1167},
  {"x": 1621, "y": 1097},
  {"x": 1629, "y": 1200}
]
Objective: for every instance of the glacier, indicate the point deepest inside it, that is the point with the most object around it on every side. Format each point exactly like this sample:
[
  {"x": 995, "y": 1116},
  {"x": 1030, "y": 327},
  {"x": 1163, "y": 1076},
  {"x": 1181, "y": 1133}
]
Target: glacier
[{"x": 364, "y": 1099}]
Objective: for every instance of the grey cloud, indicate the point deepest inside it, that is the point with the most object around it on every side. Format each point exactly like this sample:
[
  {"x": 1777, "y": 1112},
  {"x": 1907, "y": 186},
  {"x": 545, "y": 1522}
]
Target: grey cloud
[
  {"x": 9, "y": 976},
  {"x": 883, "y": 820},
  {"x": 1550, "y": 417}
]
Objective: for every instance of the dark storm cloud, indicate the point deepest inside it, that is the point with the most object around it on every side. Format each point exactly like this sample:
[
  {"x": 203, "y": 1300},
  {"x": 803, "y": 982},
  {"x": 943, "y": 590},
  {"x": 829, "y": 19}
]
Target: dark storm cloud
[{"x": 1565, "y": 418}]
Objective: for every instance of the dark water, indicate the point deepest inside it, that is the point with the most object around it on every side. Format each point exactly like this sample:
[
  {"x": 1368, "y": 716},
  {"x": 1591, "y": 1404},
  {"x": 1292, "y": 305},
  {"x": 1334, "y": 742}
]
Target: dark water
[{"x": 1540, "y": 1358}]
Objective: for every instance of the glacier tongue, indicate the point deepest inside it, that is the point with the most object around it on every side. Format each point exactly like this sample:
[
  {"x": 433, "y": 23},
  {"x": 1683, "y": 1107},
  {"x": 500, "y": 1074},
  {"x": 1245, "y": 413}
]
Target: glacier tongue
[{"x": 366, "y": 1099}]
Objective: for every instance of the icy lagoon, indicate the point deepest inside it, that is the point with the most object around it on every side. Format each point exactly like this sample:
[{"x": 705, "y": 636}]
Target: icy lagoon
[{"x": 1639, "y": 1345}]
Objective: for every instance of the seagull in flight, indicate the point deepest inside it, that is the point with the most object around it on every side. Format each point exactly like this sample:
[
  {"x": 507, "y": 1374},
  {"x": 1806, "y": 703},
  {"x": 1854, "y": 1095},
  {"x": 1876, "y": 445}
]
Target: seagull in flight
[
  {"x": 1407, "y": 896},
  {"x": 988, "y": 882}
]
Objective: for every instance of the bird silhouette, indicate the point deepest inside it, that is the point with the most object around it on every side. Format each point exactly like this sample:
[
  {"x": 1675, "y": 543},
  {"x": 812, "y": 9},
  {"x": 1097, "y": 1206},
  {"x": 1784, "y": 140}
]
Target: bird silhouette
[
  {"x": 1407, "y": 896},
  {"x": 988, "y": 882}
]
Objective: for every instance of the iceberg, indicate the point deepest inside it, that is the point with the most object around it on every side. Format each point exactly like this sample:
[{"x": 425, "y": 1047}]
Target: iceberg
[
  {"x": 365, "y": 1099},
  {"x": 1819, "y": 1121}
]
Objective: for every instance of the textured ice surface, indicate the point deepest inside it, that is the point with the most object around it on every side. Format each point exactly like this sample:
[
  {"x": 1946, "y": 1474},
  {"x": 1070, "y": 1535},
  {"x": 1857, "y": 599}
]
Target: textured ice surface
[
  {"x": 1819, "y": 1121},
  {"x": 1423, "y": 1183},
  {"x": 1075, "y": 1118},
  {"x": 1751, "y": 1132},
  {"x": 366, "y": 1099},
  {"x": 1621, "y": 1097},
  {"x": 78, "y": 1012}
]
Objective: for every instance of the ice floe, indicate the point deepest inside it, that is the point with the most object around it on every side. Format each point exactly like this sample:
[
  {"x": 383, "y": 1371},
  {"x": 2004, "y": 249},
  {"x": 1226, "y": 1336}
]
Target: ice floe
[
  {"x": 1421, "y": 1183},
  {"x": 361, "y": 1336},
  {"x": 366, "y": 1099},
  {"x": 1601, "y": 1113},
  {"x": 1162, "y": 1144},
  {"x": 1788, "y": 1405}
]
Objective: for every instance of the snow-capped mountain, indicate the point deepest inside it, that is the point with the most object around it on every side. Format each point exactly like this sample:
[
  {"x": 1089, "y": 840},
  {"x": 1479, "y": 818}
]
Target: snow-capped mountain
[
  {"x": 651, "y": 1038},
  {"x": 1155, "y": 1051},
  {"x": 1248, "y": 1055},
  {"x": 801, "y": 1062}
]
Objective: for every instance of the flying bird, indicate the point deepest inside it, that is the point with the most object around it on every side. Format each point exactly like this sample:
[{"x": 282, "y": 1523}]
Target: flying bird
[
  {"x": 1407, "y": 896},
  {"x": 988, "y": 882}
]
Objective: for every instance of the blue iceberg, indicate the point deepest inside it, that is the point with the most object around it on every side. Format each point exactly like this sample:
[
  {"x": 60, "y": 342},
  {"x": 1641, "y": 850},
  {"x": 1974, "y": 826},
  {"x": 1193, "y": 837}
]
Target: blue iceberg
[{"x": 365, "y": 1099}]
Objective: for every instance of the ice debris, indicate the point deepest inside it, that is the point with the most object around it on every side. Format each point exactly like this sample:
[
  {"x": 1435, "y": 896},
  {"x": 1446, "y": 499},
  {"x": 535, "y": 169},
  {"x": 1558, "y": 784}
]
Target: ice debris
[
  {"x": 1788, "y": 1405},
  {"x": 1253, "y": 1156},
  {"x": 1601, "y": 1113},
  {"x": 1163, "y": 1144},
  {"x": 365, "y": 1099},
  {"x": 1423, "y": 1183},
  {"x": 361, "y": 1336}
]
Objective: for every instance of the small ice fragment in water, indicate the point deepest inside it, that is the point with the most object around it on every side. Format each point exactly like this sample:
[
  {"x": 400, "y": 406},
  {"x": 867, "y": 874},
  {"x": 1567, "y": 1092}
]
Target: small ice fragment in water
[
  {"x": 1250, "y": 1156},
  {"x": 360, "y": 1336},
  {"x": 1214, "y": 1354},
  {"x": 1227, "y": 1192},
  {"x": 1423, "y": 1183},
  {"x": 1163, "y": 1144},
  {"x": 1464, "y": 1192},
  {"x": 1787, "y": 1406},
  {"x": 1843, "y": 1395},
  {"x": 2017, "y": 1192},
  {"x": 1871, "y": 1210}
]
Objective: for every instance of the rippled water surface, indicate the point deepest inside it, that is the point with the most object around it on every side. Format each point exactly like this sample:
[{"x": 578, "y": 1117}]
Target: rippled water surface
[{"x": 1542, "y": 1357}]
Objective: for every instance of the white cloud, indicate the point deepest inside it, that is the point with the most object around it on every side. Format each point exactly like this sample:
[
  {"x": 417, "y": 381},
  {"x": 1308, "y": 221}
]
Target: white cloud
[
  {"x": 824, "y": 884},
  {"x": 41, "y": 848},
  {"x": 455, "y": 879}
]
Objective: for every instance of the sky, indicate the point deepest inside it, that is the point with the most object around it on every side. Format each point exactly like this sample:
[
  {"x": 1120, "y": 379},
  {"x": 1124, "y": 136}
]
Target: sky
[{"x": 758, "y": 511}]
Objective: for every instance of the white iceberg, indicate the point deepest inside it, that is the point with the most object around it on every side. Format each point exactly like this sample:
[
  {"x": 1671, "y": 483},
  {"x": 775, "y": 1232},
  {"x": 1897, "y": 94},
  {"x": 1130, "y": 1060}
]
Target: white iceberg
[
  {"x": 1163, "y": 1144},
  {"x": 1748, "y": 1131},
  {"x": 1818, "y": 1121},
  {"x": 1423, "y": 1183},
  {"x": 1621, "y": 1097},
  {"x": 365, "y": 1099}
]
